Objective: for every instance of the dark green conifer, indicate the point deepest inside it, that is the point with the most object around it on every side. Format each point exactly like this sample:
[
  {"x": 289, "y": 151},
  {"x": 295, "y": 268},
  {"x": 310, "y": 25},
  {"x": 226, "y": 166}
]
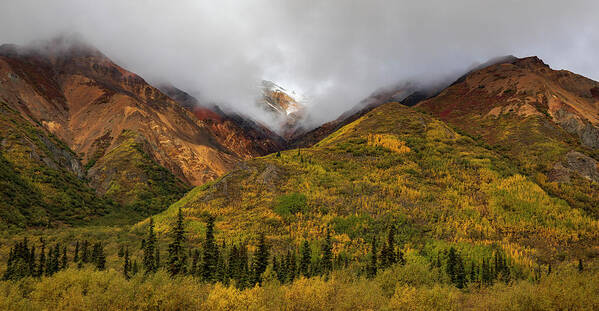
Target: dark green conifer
[
  {"x": 260, "y": 261},
  {"x": 177, "y": 257},
  {"x": 306, "y": 259},
  {"x": 135, "y": 267},
  {"x": 371, "y": 269},
  {"x": 64, "y": 259},
  {"x": 149, "y": 259},
  {"x": 210, "y": 257},
  {"x": 100, "y": 257},
  {"x": 85, "y": 256},
  {"x": 388, "y": 256},
  {"x": 42, "y": 262},
  {"x": 127, "y": 264},
  {"x": 327, "y": 254},
  {"x": 76, "y": 255}
]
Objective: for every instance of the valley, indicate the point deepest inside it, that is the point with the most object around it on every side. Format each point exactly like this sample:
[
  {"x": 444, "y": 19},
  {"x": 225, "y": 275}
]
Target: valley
[{"x": 482, "y": 193}]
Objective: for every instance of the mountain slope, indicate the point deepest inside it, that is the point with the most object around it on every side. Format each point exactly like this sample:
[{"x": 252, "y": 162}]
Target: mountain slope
[
  {"x": 547, "y": 121},
  {"x": 397, "y": 166},
  {"x": 40, "y": 180},
  {"x": 237, "y": 133},
  {"x": 87, "y": 101}
]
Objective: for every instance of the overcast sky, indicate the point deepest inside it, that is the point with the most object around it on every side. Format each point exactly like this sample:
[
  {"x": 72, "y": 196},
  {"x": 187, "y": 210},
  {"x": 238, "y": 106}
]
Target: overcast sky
[{"x": 334, "y": 52}]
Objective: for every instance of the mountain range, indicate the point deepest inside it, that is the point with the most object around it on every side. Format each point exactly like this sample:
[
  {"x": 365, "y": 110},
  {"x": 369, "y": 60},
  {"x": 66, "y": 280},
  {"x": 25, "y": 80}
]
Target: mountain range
[{"x": 505, "y": 154}]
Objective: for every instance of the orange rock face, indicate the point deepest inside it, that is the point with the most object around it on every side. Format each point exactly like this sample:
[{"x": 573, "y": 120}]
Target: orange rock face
[{"x": 85, "y": 99}]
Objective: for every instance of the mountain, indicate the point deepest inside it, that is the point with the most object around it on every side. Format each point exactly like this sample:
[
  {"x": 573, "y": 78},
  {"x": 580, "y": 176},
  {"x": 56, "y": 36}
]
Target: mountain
[
  {"x": 408, "y": 93},
  {"x": 40, "y": 177},
  {"x": 394, "y": 165},
  {"x": 545, "y": 120},
  {"x": 245, "y": 137},
  {"x": 137, "y": 146},
  {"x": 286, "y": 106}
]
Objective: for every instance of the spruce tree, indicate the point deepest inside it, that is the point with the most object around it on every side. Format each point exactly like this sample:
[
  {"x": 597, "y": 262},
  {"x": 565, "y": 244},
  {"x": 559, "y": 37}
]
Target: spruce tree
[
  {"x": 100, "y": 257},
  {"x": 127, "y": 264},
  {"x": 42, "y": 262},
  {"x": 149, "y": 260},
  {"x": 455, "y": 268},
  {"x": 64, "y": 259},
  {"x": 327, "y": 254},
  {"x": 371, "y": 269},
  {"x": 85, "y": 256},
  {"x": 176, "y": 254},
  {"x": 580, "y": 265},
  {"x": 260, "y": 261},
  {"x": 388, "y": 256},
  {"x": 306, "y": 259},
  {"x": 210, "y": 257},
  {"x": 76, "y": 255},
  {"x": 135, "y": 267}
]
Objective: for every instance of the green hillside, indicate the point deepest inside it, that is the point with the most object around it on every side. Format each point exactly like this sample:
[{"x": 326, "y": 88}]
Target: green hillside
[
  {"x": 128, "y": 175},
  {"x": 39, "y": 180},
  {"x": 394, "y": 166}
]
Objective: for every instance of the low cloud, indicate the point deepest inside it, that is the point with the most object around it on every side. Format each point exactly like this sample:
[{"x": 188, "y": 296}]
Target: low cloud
[{"x": 334, "y": 52}]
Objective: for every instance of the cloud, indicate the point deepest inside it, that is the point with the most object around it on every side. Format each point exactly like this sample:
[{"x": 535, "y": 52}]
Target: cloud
[{"x": 334, "y": 52}]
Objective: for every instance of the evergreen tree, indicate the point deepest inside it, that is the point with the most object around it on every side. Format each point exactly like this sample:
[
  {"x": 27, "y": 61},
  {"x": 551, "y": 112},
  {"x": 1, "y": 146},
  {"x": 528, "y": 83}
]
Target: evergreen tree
[
  {"x": 306, "y": 259},
  {"x": 455, "y": 268},
  {"x": 580, "y": 265},
  {"x": 149, "y": 260},
  {"x": 210, "y": 257},
  {"x": 176, "y": 255},
  {"x": 21, "y": 261},
  {"x": 260, "y": 261},
  {"x": 327, "y": 254},
  {"x": 85, "y": 256},
  {"x": 76, "y": 255},
  {"x": 42, "y": 262},
  {"x": 64, "y": 259},
  {"x": 121, "y": 252},
  {"x": 127, "y": 264},
  {"x": 32, "y": 261},
  {"x": 291, "y": 266},
  {"x": 371, "y": 269},
  {"x": 135, "y": 267},
  {"x": 100, "y": 257},
  {"x": 388, "y": 256}
]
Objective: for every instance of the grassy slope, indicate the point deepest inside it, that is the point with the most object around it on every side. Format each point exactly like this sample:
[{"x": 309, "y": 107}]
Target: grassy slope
[
  {"x": 33, "y": 192},
  {"x": 136, "y": 181},
  {"x": 445, "y": 188},
  {"x": 534, "y": 143}
]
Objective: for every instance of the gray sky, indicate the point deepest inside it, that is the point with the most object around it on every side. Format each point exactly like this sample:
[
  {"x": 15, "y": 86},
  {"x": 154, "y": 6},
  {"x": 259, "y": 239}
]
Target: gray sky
[{"x": 334, "y": 52}]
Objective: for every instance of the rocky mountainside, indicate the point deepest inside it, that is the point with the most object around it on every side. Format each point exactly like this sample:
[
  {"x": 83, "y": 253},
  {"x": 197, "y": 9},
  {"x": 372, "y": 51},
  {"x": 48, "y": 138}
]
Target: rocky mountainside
[
  {"x": 287, "y": 107},
  {"x": 546, "y": 120},
  {"x": 407, "y": 94},
  {"x": 238, "y": 133},
  {"x": 41, "y": 179},
  {"x": 135, "y": 145}
]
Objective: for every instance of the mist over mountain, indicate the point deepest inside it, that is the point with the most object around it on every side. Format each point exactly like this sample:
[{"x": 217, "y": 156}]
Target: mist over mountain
[{"x": 333, "y": 52}]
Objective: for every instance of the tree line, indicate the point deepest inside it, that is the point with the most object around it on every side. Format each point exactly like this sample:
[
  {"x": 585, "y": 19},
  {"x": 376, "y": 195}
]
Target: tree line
[{"x": 233, "y": 264}]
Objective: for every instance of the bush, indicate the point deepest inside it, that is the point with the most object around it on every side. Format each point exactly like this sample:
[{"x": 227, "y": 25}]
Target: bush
[{"x": 290, "y": 204}]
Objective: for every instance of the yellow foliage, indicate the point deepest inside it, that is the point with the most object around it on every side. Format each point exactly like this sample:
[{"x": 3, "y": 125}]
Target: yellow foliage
[{"x": 388, "y": 141}]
